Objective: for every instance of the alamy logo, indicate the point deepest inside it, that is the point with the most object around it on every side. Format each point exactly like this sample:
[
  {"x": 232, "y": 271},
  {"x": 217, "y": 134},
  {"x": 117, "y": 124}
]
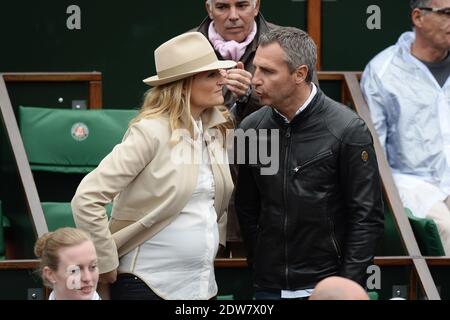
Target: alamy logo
[
  {"x": 258, "y": 148},
  {"x": 374, "y": 279},
  {"x": 73, "y": 281},
  {"x": 374, "y": 21},
  {"x": 74, "y": 20}
]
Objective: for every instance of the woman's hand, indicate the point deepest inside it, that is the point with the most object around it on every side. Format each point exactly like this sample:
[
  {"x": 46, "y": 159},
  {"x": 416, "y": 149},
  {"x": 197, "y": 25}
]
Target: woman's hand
[{"x": 108, "y": 277}]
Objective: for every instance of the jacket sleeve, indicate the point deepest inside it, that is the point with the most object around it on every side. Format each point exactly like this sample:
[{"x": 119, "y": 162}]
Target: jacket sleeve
[
  {"x": 222, "y": 224},
  {"x": 361, "y": 185},
  {"x": 247, "y": 206},
  {"x": 100, "y": 187},
  {"x": 373, "y": 92}
]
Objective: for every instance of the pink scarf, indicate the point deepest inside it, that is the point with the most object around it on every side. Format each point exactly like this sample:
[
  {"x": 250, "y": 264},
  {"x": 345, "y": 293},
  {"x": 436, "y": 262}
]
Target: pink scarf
[{"x": 230, "y": 49}]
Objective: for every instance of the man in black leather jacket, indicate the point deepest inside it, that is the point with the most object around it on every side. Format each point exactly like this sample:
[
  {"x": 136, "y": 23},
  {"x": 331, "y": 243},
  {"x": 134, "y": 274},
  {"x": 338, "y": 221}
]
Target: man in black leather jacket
[{"x": 321, "y": 213}]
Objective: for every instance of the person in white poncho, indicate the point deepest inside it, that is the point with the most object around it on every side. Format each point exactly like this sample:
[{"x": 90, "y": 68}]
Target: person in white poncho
[{"x": 407, "y": 90}]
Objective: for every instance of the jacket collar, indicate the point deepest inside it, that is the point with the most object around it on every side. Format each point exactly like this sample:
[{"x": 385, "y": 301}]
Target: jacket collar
[
  {"x": 314, "y": 107},
  {"x": 405, "y": 43},
  {"x": 211, "y": 118}
]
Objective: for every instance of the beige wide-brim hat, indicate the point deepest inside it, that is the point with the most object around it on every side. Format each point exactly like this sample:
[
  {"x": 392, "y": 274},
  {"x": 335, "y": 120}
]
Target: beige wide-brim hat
[{"x": 183, "y": 56}]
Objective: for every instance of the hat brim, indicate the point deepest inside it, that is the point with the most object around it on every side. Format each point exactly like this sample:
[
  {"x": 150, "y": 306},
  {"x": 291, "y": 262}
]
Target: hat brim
[{"x": 156, "y": 81}]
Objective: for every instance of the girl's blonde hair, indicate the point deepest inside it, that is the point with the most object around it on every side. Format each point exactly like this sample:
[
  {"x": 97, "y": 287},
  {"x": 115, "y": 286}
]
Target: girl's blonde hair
[
  {"x": 173, "y": 100},
  {"x": 47, "y": 247}
]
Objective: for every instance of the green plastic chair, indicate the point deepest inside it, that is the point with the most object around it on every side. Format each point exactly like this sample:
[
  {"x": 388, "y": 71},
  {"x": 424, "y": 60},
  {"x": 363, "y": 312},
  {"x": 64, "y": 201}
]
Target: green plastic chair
[
  {"x": 425, "y": 232},
  {"x": 66, "y": 141},
  {"x": 70, "y": 141},
  {"x": 373, "y": 295},
  {"x": 59, "y": 214},
  {"x": 427, "y": 235},
  {"x": 391, "y": 243}
]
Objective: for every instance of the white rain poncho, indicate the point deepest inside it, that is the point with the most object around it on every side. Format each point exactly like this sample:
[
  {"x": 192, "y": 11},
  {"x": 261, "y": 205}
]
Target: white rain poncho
[{"x": 411, "y": 114}]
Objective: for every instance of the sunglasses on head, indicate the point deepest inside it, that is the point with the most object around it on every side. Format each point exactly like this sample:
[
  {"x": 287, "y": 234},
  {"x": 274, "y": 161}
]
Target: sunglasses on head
[{"x": 443, "y": 11}]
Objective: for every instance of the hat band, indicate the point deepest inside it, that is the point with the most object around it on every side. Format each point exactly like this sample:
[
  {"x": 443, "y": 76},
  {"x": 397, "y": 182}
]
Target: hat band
[{"x": 188, "y": 66}]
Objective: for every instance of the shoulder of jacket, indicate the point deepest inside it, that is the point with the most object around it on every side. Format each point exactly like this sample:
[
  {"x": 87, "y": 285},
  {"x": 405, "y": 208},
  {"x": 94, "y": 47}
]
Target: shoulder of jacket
[
  {"x": 202, "y": 27},
  {"x": 255, "y": 119},
  {"x": 271, "y": 25},
  {"x": 357, "y": 133},
  {"x": 380, "y": 63},
  {"x": 346, "y": 125},
  {"x": 152, "y": 127}
]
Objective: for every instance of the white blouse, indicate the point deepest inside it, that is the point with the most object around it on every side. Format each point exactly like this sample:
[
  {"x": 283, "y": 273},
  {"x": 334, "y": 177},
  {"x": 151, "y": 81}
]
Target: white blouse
[
  {"x": 178, "y": 262},
  {"x": 94, "y": 297}
]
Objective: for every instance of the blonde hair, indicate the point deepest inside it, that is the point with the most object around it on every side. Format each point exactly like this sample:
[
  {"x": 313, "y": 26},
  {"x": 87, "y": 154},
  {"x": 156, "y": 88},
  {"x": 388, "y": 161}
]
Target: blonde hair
[
  {"x": 47, "y": 247},
  {"x": 173, "y": 100}
]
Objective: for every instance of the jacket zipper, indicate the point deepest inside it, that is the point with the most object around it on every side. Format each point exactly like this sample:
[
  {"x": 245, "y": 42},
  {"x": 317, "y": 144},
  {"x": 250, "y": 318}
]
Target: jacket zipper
[
  {"x": 334, "y": 240},
  {"x": 286, "y": 157},
  {"x": 312, "y": 161}
]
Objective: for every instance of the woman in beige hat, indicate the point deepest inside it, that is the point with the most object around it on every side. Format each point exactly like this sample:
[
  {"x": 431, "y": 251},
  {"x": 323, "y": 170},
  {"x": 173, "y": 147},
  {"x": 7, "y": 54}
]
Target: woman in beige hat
[{"x": 168, "y": 180}]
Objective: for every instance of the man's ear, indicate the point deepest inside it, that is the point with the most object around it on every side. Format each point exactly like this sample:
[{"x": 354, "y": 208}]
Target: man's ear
[
  {"x": 257, "y": 6},
  {"x": 301, "y": 73},
  {"x": 208, "y": 10},
  {"x": 416, "y": 17}
]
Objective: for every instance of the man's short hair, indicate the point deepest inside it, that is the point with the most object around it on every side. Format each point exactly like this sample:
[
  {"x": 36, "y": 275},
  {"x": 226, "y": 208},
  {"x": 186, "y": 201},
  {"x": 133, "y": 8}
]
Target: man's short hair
[
  {"x": 209, "y": 2},
  {"x": 419, "y": 3},
  {"x": 298, "y": 46}
]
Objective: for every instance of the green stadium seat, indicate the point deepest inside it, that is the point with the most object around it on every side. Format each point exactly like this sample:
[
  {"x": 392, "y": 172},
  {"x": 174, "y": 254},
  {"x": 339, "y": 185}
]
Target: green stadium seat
[
  {"x": 425, "y": 232},
  {"x": 373, "y": 295},
  {"x": 427, "y": 235},
  {"x": 391, "y": 243},
  {"x": 68, "y": 142},
  {"x": 59, "y": 214}
]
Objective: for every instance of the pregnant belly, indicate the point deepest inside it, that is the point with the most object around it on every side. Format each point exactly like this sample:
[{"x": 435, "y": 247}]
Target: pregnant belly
[{"x": 191, "y": 247}]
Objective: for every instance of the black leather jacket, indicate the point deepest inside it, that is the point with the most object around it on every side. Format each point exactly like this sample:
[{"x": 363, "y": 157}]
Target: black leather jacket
[{"x": 321, "y": 214}]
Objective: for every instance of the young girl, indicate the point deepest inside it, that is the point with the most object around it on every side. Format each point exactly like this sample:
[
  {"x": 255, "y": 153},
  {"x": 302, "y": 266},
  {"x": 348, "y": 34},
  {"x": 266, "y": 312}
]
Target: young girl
[{"x": 68, "y": 264}]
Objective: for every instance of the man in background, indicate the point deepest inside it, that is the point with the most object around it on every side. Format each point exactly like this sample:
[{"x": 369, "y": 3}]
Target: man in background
[
  {"x": 407, "y": 90},
  {"x": 234, "y": 27}
]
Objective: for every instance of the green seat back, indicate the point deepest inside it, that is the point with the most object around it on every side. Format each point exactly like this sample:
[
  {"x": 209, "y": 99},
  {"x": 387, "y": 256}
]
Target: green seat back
[
  {"x": 427, "y": 235},
  {"x": 373, "y": 295},
  {"x": 2, "y": 236},
  {"x": 71, "y": 141},
  {"x": 391, "y": 244},
  {"x": 59, "y": 214},
  {"x": 425, "y": 232}
]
